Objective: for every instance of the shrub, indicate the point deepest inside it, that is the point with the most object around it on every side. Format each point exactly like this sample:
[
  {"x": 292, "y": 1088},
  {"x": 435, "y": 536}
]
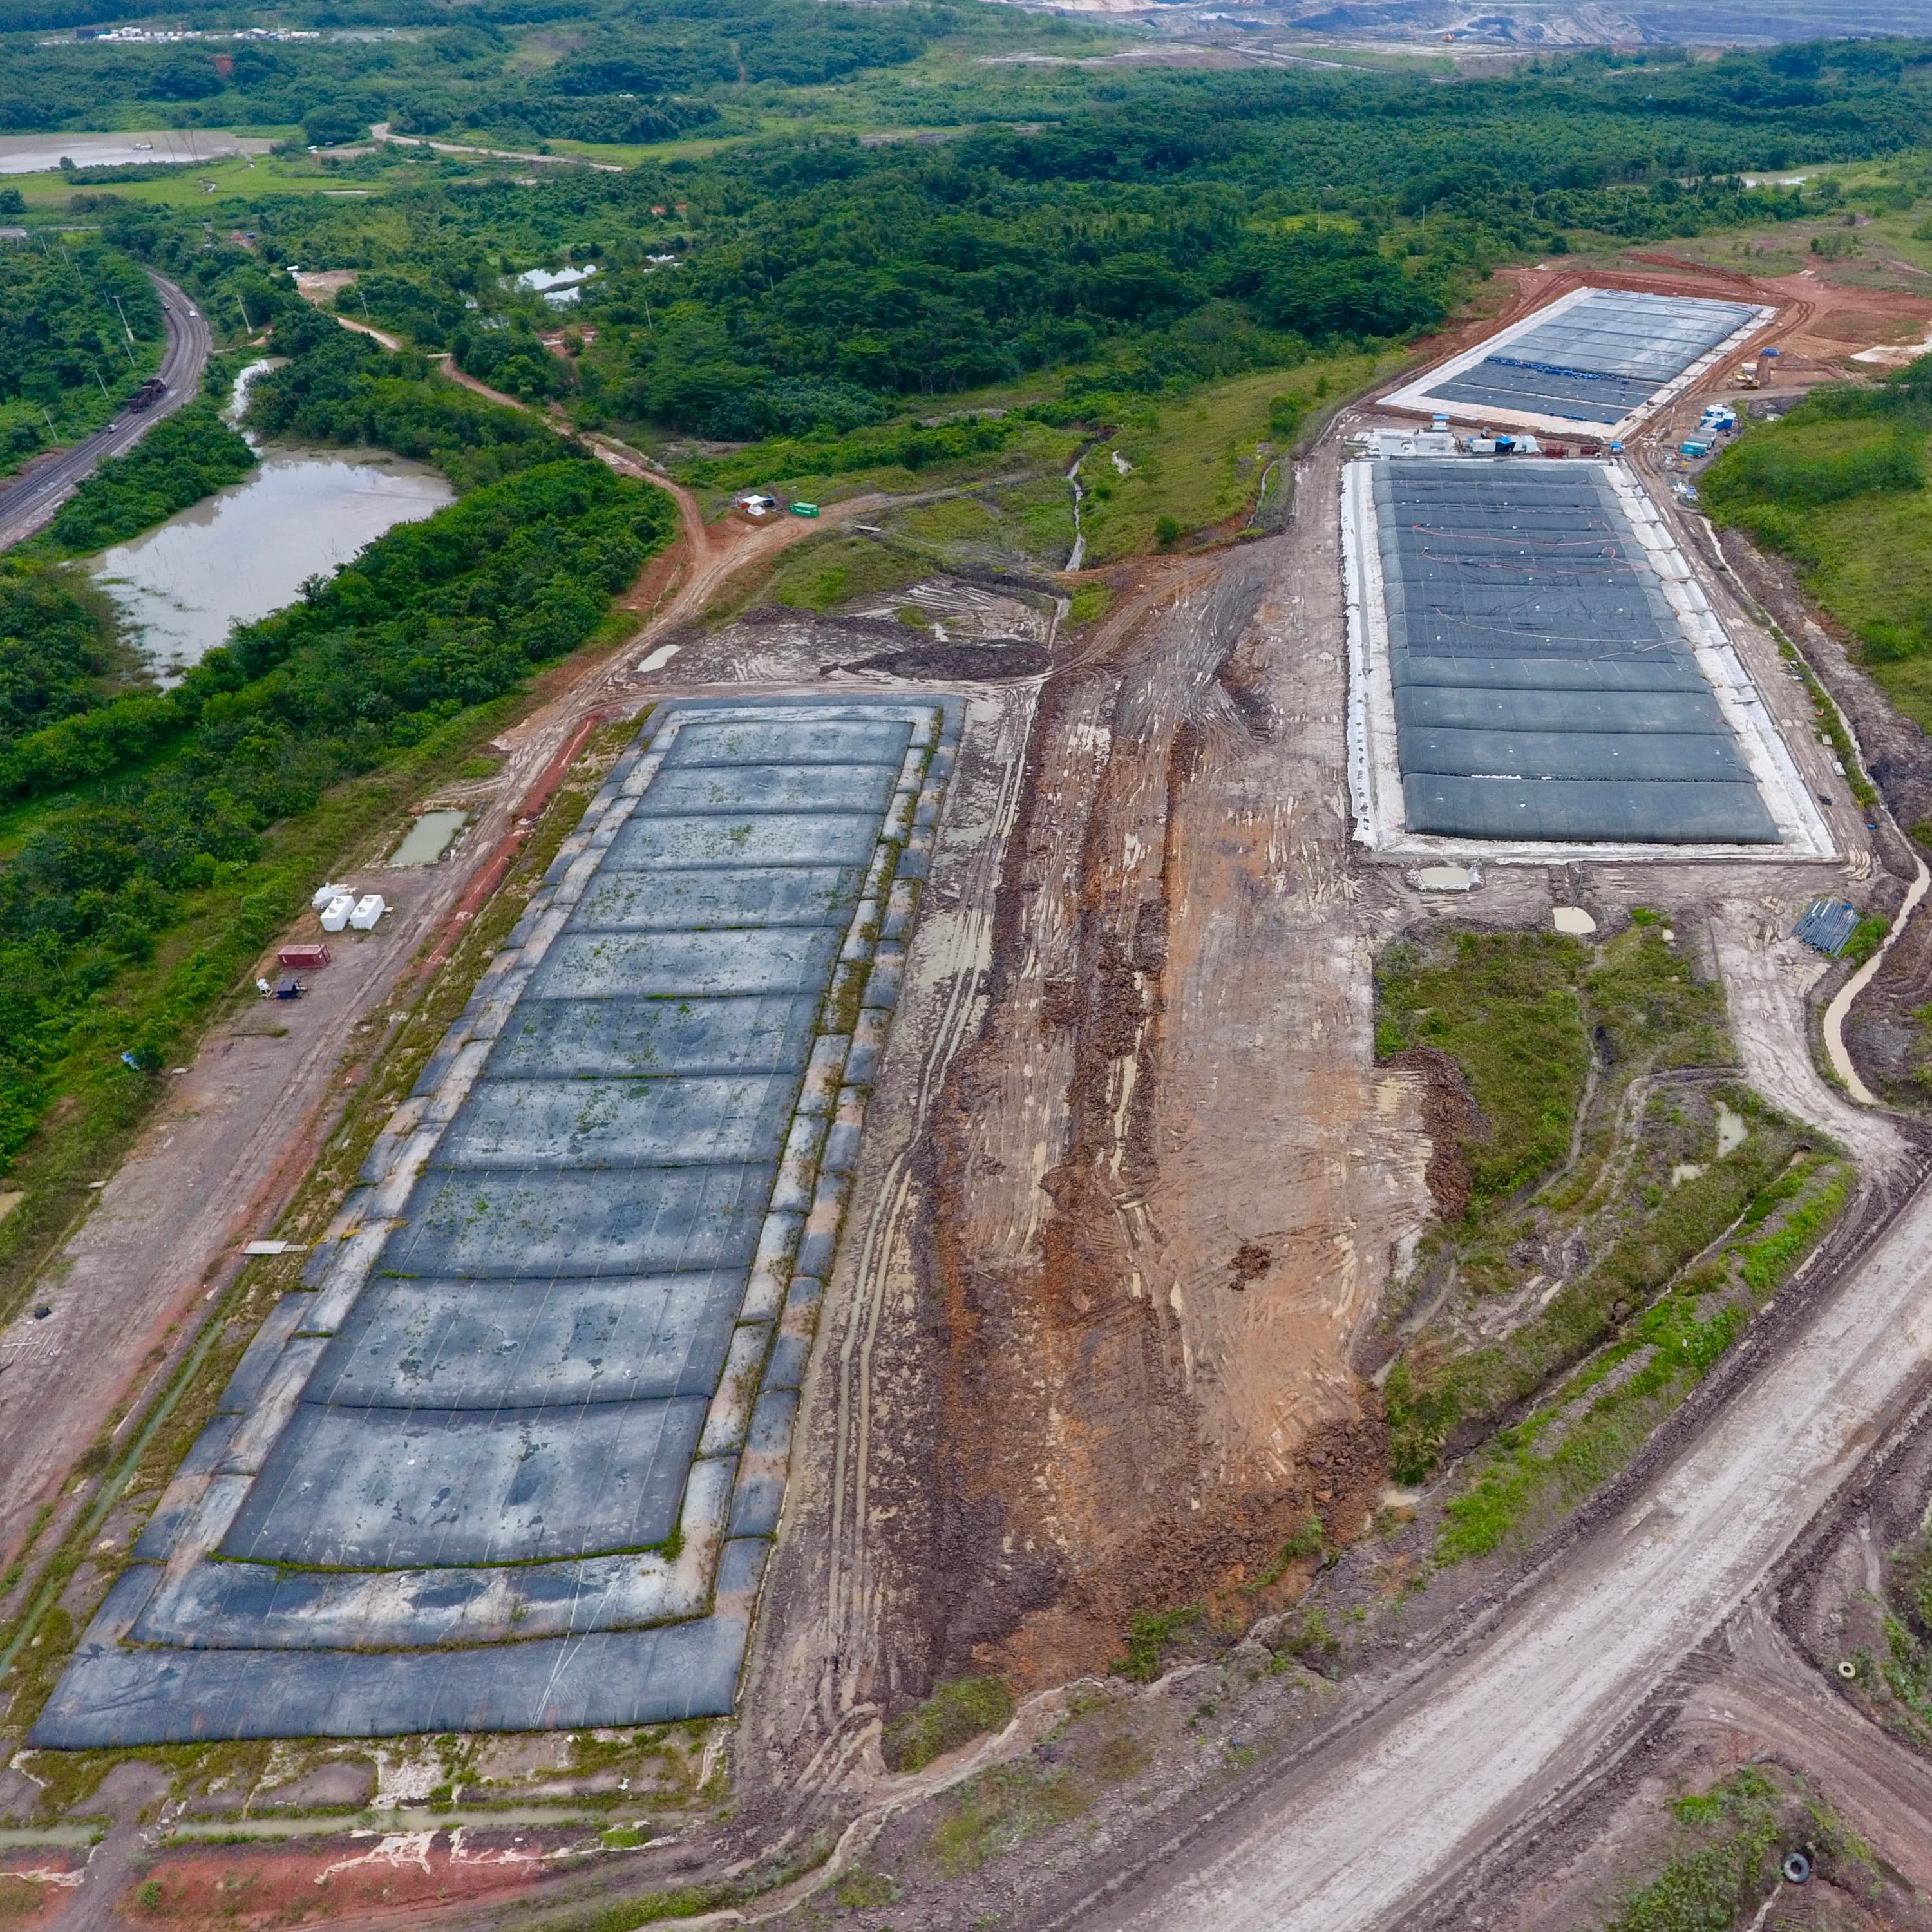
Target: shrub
[{"x": 960, "y": 1709}]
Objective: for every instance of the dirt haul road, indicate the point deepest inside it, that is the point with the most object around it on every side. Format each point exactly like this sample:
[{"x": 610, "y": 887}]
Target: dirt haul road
[{"x": 1380, "y": 1823}]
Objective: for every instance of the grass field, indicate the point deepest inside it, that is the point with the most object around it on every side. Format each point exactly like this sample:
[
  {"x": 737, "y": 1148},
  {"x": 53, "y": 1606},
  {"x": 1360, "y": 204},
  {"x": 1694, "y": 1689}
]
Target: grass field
[
  {"x": 1518, "y": 1013},
  {"x": 1199, "y": 460},
  {"x": 233, "y": 179},
  {"x": 1658, "y": 1239}
]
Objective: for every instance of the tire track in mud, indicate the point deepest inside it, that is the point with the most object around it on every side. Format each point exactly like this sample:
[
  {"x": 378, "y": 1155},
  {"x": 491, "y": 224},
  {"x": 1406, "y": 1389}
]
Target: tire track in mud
[
  {"x": 852, "y": 1607},
  {"x": 1095, "y": 1460}
]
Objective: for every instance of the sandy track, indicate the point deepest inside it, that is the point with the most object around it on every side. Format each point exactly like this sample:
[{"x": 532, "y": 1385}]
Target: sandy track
[
  {"x": 838, "y": 1633},
  {"x": 1774, "y": 1704},
  {"x": 1766, "y": 974}
]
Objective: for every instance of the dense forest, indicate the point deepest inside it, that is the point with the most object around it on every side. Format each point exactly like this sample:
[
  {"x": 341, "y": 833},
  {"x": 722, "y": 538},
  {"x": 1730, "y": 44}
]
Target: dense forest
[
  {"x": 1207, "y": 224},
  {"x": 80, "y": 330},
  {"x": 641, "y": 80},
  {"x": 1838, "y": 485}
]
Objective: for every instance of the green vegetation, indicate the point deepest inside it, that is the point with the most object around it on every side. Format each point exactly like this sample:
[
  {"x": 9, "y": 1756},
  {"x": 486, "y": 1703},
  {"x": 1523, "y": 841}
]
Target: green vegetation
[
  {"x": 67, "y": 360},
  {"x": 1838, "y": 486},
  {"x": 1013, "y": 1804},
  {"x": 1905, "y": 1671},
  {"x": 832, "y": 570},
  {"x": 1522, "y": 1015},
  {"x": 959, "y": 1710},
  {"x": 1002, "y": 1809},
  {"x": 1725, "y": 1859},
  {"x": 179, "y": 461},
  {"x": 1637, "y": 1307},
  {"x": 1596, "y": 1421},
  {"x": 1149, "y": 1635},
  {"x": 1505, "y": 1008},
  {"x": 1866, "y": 937},
  {"x": 432, "y": 619},
  {"x": 60, "y": 651},
  {"x": 341, "y": 387}
]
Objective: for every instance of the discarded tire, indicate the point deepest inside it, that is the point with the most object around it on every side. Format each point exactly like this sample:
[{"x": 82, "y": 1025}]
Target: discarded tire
[
  {"x": 1848, "y": 1670},
  {"x": 1797, "y": 1868}
]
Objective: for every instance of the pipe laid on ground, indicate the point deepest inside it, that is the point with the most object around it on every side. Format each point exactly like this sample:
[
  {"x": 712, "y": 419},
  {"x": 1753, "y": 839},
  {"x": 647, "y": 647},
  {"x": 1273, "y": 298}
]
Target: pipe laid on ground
[{"x": 1835, "y": 1014}]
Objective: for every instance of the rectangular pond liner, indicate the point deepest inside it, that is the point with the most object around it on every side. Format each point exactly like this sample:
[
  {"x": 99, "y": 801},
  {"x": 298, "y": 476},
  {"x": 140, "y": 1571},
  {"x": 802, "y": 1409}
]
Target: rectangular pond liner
[
  {"x": 1595, "y": 722},
  {"x": 1595, "y": 360},
  {"x": 511, "y": 1457}
]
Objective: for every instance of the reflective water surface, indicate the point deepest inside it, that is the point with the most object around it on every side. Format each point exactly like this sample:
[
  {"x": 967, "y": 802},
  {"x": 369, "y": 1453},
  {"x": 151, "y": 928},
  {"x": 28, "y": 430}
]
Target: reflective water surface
[{"x": 248, "y": 549}]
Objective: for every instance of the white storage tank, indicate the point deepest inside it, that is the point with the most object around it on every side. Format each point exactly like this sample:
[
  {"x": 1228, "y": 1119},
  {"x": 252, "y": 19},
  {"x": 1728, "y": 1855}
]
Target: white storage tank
[
  {"x": 369, "y": 908},
  {"x": 335, "y": 914}
]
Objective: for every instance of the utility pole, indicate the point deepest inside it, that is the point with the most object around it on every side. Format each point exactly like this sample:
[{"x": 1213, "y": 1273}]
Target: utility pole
[
  {"x": 248, "y": 326},
  {"x": 96, "y": 368},
  {"x": 122, "y": 313}
]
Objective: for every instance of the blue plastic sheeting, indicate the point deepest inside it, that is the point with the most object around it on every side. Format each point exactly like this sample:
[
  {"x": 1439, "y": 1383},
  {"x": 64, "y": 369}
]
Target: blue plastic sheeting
[
  {"x": 629, "y": 1034},
  {"x": 1598, "y": 360},
  {"x": 1827, "y": 925},
  {"x": 663, "y": 1221},
  {"x": 523, "y": 1394},
  {"x": 1543, "y": 688},
  {"x": 1583, "y": 808},
  {"x": 113, "y": 1695},
  {"x": 766, "y": 895}
]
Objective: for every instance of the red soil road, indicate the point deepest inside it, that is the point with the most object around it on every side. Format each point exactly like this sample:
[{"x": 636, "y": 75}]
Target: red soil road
[{"x": 403, "y": 1875}]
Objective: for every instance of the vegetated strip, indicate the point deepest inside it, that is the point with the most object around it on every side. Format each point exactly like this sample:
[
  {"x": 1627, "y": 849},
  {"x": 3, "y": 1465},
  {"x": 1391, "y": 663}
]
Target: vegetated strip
[
  {"x": 182, "y": 459},
  {"x": 169, "y": 836},
  {"x": 1522, "y": 1017},
  {"x": 1593, "y": 1422},
  {"x": 1837, "y": 485}
]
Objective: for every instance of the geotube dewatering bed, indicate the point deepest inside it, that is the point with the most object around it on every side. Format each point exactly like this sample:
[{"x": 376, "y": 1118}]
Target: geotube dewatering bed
[
  {"x": 1533, "y": 665},
  {"x": 513, "y": 1457},
  {"x": 1596, "y": 359}
]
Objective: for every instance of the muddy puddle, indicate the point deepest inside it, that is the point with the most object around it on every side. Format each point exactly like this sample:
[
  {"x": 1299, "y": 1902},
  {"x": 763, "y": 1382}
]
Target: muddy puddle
[
  {"x": 429, "y": 837},
  {"x": 248, "y": 550}
]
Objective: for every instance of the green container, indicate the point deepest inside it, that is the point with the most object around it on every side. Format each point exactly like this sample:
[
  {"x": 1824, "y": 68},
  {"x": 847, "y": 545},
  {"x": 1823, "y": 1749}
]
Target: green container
[{"x": 805, "y": 509}]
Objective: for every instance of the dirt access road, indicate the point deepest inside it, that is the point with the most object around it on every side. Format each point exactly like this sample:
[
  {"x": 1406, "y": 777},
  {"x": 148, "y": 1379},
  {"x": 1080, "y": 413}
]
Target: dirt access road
[
  {"x": 1376, "y": 1823},
  {"x": 230, "y": 1144}
]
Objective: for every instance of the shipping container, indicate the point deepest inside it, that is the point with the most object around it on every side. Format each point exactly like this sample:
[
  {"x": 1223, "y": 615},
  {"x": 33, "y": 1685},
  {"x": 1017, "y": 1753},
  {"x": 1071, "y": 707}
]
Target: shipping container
[{"x": 304, "y": 958}]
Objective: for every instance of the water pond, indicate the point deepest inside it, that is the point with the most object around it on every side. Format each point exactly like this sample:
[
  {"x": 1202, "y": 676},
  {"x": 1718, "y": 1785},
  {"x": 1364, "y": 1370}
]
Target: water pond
[
  {"x": 248, "y": 549},
  {"x": 38, "y": 154},
  {"x": 429, "y": 838}
]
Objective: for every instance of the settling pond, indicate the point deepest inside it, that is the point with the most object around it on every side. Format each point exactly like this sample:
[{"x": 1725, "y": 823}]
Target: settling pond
[{"x": 248, "y": 550}]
